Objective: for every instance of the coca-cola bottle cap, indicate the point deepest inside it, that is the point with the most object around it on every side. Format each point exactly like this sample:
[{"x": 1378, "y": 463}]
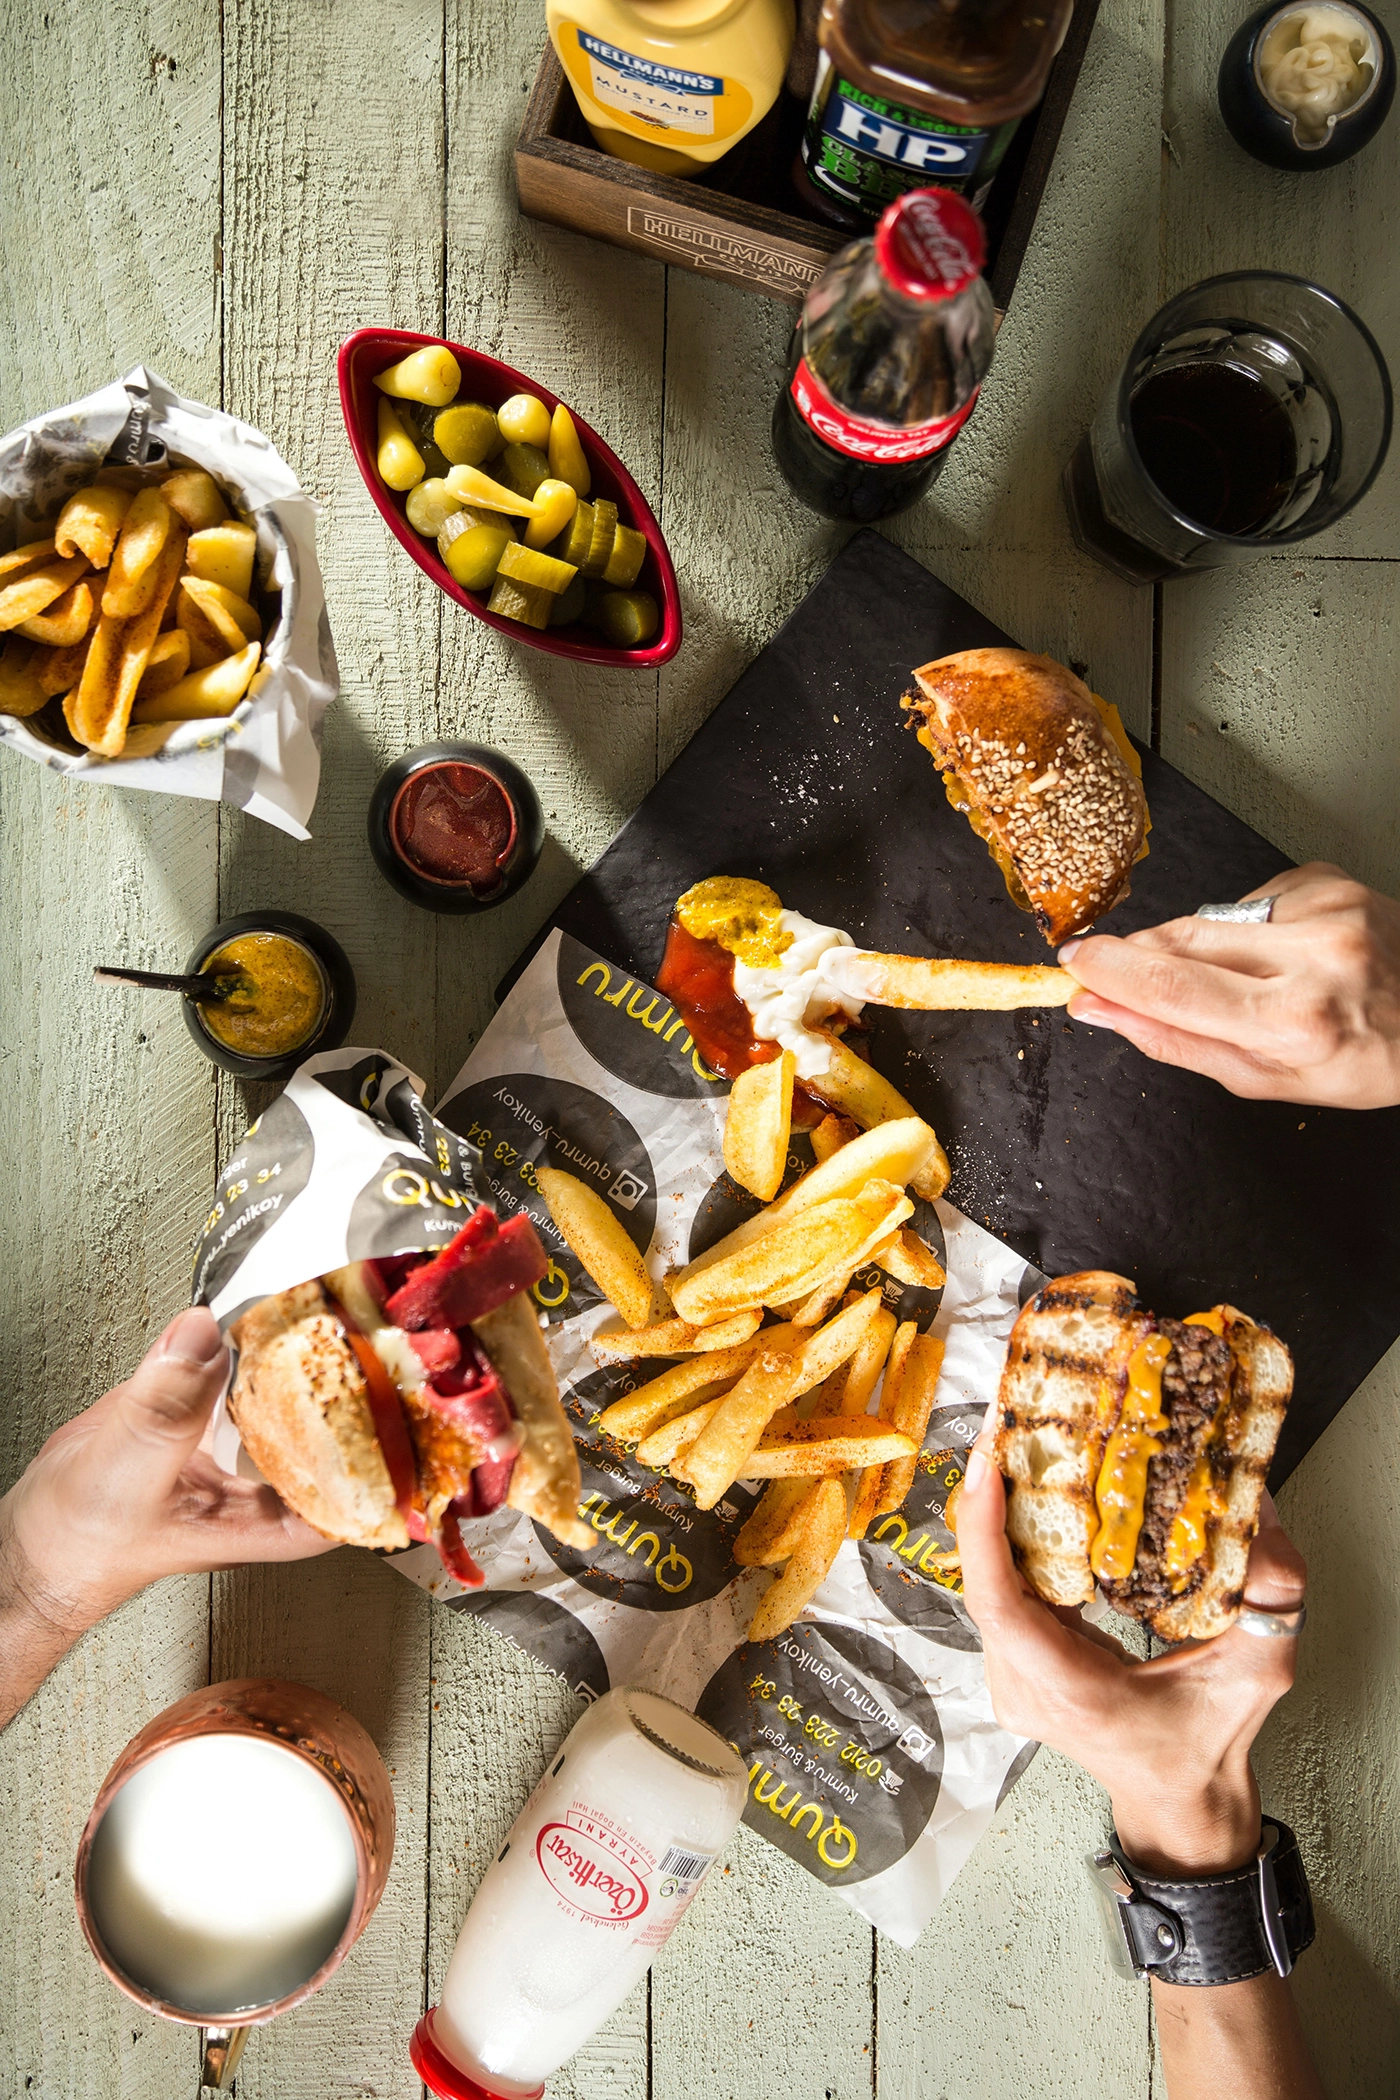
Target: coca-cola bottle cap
[
  {"x": 930, "y": 244},
  {"x": 444, "y": 2077}
]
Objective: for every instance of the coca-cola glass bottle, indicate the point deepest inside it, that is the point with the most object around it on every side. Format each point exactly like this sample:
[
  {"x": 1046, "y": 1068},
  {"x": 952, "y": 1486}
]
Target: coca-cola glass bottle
[{"x": 892, "y": 346}]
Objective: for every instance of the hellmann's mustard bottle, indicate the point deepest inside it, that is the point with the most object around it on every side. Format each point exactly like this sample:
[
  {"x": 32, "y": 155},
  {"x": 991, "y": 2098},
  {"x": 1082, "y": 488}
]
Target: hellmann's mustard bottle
[{"x": 672, "y": 84}]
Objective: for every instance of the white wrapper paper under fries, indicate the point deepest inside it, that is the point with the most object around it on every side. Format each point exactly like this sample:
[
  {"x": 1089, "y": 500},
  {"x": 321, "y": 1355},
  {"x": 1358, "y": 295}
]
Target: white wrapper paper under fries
[
  {"x": 133, "y": 650},
  {"x": 865, "y": 1723}
]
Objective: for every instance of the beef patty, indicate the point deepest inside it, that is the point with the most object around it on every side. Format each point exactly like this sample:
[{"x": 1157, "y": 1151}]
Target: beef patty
[{"x": 1195, "y": 1381}]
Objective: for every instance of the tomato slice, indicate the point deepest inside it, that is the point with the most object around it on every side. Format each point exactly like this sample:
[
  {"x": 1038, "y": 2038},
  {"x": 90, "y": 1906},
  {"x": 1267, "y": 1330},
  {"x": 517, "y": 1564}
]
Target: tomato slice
[{"x": 387, "y": 1410}]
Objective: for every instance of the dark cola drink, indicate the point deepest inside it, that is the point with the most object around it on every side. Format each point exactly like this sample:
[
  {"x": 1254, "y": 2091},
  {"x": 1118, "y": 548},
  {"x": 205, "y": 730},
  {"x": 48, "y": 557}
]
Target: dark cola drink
[{"x": 887, "y": 359}]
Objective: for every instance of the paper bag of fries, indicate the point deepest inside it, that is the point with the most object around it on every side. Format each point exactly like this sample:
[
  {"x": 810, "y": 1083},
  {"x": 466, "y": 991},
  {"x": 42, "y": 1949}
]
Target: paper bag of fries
[{"x": 162, "y": 621}]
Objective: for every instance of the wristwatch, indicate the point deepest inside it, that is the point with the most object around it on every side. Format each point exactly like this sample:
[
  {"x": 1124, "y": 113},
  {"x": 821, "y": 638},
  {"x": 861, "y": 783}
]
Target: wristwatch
[{"x": 1221, "y": 1928}]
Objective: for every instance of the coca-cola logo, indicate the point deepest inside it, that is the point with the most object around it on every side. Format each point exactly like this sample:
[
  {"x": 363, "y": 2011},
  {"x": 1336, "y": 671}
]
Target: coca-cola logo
[
  {"x": 862, "y": 439},
  {"x": 582, "y": 1870}
]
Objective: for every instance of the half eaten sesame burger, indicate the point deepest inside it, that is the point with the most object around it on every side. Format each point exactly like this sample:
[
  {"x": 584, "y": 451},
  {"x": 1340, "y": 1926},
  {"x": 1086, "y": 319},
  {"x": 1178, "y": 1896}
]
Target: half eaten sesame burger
[
  {"x": 1044, "y": 772},
  {"x": 389, "y": 1400}
]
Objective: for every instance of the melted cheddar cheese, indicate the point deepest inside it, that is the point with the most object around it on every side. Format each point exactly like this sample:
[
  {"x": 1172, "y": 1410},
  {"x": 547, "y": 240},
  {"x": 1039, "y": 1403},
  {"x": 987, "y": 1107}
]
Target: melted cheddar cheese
[
  {"x": 1214, "y": 1320},
  {"x": 1187, "y": 1540},
  {"x": 1121, "y": 1488}
]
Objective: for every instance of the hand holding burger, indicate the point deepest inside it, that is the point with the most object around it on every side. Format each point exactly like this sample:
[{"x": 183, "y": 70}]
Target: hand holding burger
[{"x": 121, "y": 1496}]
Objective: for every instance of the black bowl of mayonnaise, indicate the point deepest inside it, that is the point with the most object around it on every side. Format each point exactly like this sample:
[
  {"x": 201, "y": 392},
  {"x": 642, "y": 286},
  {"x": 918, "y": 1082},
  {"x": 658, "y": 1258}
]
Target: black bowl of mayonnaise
[{"x": 1304, "y": 87}]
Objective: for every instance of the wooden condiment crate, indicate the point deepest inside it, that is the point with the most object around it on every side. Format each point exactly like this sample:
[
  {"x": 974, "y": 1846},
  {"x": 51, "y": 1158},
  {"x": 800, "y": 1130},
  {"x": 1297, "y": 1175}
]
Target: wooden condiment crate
[{"x": 742, "y": 222}]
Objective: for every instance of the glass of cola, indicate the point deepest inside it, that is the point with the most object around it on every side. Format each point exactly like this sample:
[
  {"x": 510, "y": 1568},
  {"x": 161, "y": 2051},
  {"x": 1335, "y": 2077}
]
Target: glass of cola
[{"x": 1254, "y": 410}]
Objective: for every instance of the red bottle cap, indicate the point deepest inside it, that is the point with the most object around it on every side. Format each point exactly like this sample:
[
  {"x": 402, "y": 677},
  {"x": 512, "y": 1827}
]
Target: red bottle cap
[
  {"x": 930, "y": 244},
  {"x": 441, "y": 2076}
]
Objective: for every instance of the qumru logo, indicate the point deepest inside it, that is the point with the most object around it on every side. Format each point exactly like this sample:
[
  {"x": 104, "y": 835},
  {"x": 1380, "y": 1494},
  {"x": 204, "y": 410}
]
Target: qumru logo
[
  {"x": 588, "y": 1874},
  {"x": 630, "y": 1028},
  {"x": 902, "y": 1552}
]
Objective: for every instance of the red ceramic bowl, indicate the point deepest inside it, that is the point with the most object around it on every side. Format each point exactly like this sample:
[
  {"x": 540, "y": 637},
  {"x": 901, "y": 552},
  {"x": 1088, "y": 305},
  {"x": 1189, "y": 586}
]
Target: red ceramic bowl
[{"x": 372, "y": 350}]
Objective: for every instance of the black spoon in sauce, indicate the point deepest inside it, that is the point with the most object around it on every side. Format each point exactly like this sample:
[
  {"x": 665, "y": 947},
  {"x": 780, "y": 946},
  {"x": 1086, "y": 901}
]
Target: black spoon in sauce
[{"x": 206, "y": 987}]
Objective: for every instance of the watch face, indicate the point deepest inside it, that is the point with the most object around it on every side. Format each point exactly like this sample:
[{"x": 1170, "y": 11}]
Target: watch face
[{"x": 1113, "y": 1893}]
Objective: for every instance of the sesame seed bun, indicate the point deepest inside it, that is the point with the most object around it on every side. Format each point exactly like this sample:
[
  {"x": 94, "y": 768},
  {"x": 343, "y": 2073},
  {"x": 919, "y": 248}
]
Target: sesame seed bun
[{"x": 1026, "y": 752}]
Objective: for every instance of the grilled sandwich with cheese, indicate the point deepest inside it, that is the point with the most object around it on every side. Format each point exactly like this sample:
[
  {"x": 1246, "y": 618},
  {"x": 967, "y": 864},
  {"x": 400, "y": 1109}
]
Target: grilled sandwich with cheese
[
  {"x": 388, "y": 1401},
  {"x": 1044, "y": 772},
  {"x": 1136, "y": 1451}
]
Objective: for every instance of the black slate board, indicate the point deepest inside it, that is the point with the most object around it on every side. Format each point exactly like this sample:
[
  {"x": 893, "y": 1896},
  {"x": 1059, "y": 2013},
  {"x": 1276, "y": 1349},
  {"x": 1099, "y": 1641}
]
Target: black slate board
[{"x": 1065, "y": 1141}]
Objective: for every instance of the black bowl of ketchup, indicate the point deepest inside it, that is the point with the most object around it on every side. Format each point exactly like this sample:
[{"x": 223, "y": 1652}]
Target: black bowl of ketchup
[{"x": 455, "y": 827}]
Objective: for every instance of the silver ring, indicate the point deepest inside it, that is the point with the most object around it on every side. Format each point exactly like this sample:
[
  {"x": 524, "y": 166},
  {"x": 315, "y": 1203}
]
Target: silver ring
[
  {"x": 1257, "y": 912},
  {"x": 1272, "y": 1625}
]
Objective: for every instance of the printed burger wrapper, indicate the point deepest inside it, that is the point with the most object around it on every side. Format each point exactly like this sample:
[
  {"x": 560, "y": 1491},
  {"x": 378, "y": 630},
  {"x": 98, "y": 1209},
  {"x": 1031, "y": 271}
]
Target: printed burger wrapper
[
  {"x": 266, "y": 756},
  {"x": 873, "y": 1756}
]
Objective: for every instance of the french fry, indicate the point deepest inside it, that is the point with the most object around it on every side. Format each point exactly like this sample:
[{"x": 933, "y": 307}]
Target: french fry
[
  {"x": 144, "y": 739},
  {"x": 896, "y": 1362},
  {"x": 829, "y": 1445},
  {"x": 793, "y": 1261},
  {"x": 59, "y": 670},
  {"x": 224, "y": 554},
  {"x": 824, "y": 1529},
  {"x": 66, "y": 620},
  {"x": 20, "y": 560},
  {"x": 867, "y": 1363},
  {"x": 35, "y": 589},
  {"x": 673, "y": 1338},
  {"x": 22, "y": 690},
  {"x": 99, "y": 709},
  {"x": 132, "y": 577},
  {"x": 831, "y": 1134},
  {"x": 857, "y": 1090},
  {"x": 202, "y": 695},
  {"x": 674, "y": 1438},
  {"x": 932, "y": 986},
  {"x": 194, "y": 497},
  {"x": 867, "y": 1493},
  {"x": 773, "y": 1378},
  {"x": 894, "y": 1152},
  {"x": 674, "y": 1391},
  {"x": 758, "y": 1125},
  {"x": 598, "y": 1239},
  {"x": 911, "y": 1260},
  {"x": 777, "y": 1523},
  {"x": 166, "y": 665},
  {"x": 913, "y": 1405},
  {"x": 207, "y": 640},
  {"x": 90, "y": 521},
  {"x": 813, "y": 1309},
  {"x": 235, "y": 618}
]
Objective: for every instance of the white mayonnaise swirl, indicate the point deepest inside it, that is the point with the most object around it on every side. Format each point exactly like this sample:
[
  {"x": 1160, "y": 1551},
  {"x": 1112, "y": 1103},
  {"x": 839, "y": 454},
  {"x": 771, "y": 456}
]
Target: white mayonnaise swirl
[{"x": 789, "y": 1000}]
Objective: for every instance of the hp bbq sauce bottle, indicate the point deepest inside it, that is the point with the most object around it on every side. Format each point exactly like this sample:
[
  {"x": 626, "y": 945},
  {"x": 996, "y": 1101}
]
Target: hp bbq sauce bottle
[{"x": 886, "y": 361}]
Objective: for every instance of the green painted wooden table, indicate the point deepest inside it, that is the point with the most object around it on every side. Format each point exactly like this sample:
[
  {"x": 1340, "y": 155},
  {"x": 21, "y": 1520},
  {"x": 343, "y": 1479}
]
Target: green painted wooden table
[{"x": 223, "y": 189}]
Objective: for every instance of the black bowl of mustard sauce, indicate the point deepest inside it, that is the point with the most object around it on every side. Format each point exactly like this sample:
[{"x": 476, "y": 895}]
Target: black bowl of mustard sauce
[
  {"x": 291, "y": 993},
  {"x": 455, "y": 827}
]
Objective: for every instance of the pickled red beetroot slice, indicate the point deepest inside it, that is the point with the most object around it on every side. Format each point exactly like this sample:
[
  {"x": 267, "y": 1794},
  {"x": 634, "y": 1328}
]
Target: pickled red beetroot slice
[
  {"x": 491, "y": 1484},
  {"x": 477, "y": 1271}
]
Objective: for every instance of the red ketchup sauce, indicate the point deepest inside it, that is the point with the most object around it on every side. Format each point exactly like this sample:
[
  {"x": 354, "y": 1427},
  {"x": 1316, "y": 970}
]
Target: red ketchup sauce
[
  {"x": 697, "y": 976},
  {"x": 454, "y": 823}
]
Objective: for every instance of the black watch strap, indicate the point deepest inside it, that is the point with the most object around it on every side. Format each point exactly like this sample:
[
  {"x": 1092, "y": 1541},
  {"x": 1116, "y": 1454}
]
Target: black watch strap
[{"x": 1222, "y": 1928}]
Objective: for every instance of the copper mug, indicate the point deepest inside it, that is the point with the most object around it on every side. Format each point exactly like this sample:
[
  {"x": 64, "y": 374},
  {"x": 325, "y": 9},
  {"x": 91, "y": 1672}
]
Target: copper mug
[{"x": 325, "y": 1738}]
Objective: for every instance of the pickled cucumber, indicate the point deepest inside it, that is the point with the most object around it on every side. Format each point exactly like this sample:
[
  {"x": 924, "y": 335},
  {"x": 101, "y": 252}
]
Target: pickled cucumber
[
  {"x": 524, "y": 420},
  {"x": 567, "y": 461},
  {"x": 556, "y": 503},
  {"x": 521, "y": 601},
  {"x": 429, "y": 506},
  {"x": 431, "y": 374},
  {"x": 467, "y": 433},
  {"x": 604, "y": 532},
  {"x": 628, "y": 552},
  {"x": 627, "y": 619},
  {"x": 568, "y": 606},
  {"x": 462, "y": 521},
  {"x": 398, "y": 459},
  {"x": 474, "y": 556},
  {"x": 573, "y": 545},
  {"x": 523, "y": 468},
  {"x": 527, "y": 565}
]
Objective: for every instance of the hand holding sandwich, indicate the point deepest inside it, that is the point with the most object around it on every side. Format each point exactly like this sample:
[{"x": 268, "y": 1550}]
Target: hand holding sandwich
[
  {"x": 1169, "y": 1740},
  {"x": 121, "y": 1496},
  {"x": 1303, "y": 1008}
]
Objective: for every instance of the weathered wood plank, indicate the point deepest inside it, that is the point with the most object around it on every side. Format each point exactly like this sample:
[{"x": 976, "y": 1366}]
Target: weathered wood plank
[
  {"x": 334, "y": 195},
  {"x": 1279, "y": 695},
  {"x": 109, "y": 200},
  {"x": 1223, "y": 210}
]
